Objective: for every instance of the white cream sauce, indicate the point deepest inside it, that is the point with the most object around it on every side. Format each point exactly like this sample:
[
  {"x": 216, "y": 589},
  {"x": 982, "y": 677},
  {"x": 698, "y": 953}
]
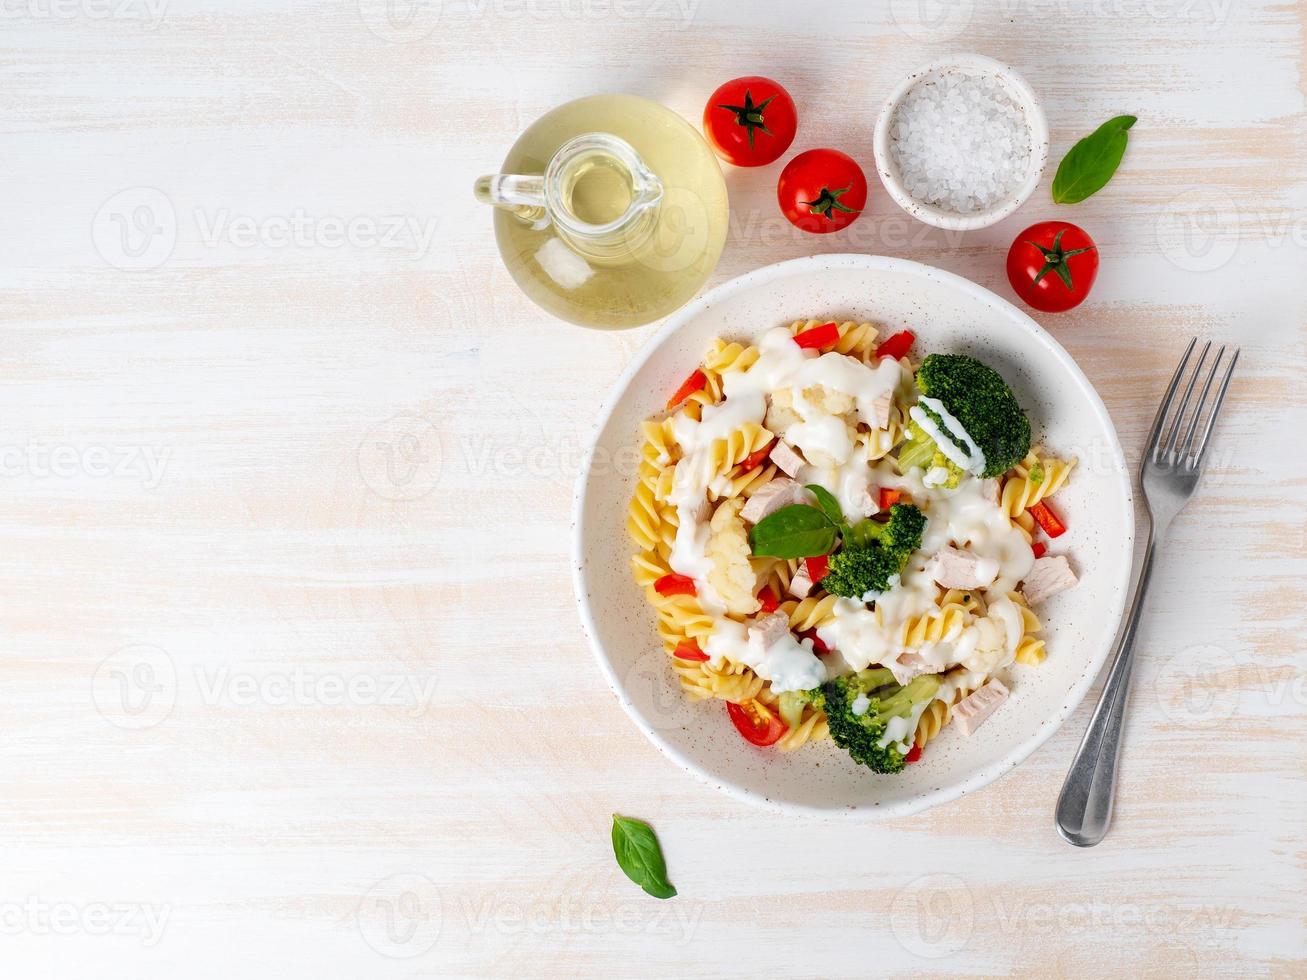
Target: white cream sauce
[
  {"x": 789, "y": 664},
  {"x": 967, "y": 517}
]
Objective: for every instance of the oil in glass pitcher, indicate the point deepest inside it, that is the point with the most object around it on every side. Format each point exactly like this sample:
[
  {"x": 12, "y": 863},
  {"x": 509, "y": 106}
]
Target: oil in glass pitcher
[{"x": 611, "y": 211}]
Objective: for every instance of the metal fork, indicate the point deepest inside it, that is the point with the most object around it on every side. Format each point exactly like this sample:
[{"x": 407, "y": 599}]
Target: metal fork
[{"x": 1169, "y": 475}]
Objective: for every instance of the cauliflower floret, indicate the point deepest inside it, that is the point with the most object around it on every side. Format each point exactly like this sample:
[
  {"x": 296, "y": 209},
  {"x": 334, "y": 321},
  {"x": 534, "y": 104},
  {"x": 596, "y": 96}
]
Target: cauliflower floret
[
  {"x": 818, "y": 400},
  {"x": 781, "y": 414},
  {"x": 817, "y": 420},
  {"x": 732, "y": 575},
  {"x": 991, "y": 650}
]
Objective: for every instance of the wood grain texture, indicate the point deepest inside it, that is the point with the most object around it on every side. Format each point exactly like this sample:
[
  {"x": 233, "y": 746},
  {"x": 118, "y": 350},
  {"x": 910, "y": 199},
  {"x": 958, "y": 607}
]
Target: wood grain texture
[{"x": 293, "y": 683}]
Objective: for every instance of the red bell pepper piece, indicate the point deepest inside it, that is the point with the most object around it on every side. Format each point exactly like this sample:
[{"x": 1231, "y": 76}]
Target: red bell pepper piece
[
  {"x": 888, "y": 498},
  {"x": 768, "y": 601},
  {"x": 1050, "y": 523},
  {"x": 689, "y": 650},
  {"x": 823, "y": 336},
  {"x": 818, "y": 566},
  {"x": 754, "y": 460},
  {"x": 913, "y": 755},
  {"x": 1039, "y": 548},
  {"x": 695, "y": 382},
  {"x": 897, "y": 346},
  {"x": 674, "y": 584}
]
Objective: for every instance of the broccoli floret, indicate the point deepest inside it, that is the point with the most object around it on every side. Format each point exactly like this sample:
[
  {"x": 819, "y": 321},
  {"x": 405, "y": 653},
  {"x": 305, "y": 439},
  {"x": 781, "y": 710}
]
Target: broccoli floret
[
  {"x": 921, "y": 450},
  {"x": 882, "y": 699},
  {"x": 979, "y": 398},
  {"x": 874, "y": 553}
]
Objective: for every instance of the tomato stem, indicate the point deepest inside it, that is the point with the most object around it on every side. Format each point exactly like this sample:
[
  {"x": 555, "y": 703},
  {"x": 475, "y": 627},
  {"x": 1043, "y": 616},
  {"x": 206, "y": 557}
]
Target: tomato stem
[
  {"x": 829, "y": 201},
  {"x": 1055, "y": 260},
  {"x": 749, "y": 115}
]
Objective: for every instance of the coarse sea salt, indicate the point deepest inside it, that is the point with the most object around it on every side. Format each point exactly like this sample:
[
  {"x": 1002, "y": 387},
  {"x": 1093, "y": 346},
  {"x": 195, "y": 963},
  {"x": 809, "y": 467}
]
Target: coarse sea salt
[{"x": 960, "y": 142}]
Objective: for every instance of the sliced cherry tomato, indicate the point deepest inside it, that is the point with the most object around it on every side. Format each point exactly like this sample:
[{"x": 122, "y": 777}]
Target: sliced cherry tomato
[
  {"x": 817, "y": 337},
  {"x": 756, "y": 723},
  {"x": 818, "y": 566},
  {"x": 888, "y": 497},
  {"x": 674, "y": 584},
  {"x": 767, "y": 601},
  {"x": 1050, "y": 523},
  {"x": 913, "y": 755},
  {"x": 1039, "y": 548},
  {"x": 689, "y": 650},
  {"x": 822, "y": 191},
  {"x": 1052, "y": 266},
  {"x": 750, "y": 121},
  {"x": 695, "y": 382},
  {"x": 819, "y": 646},
  {"x": 754, "y": 460},
  {"x": 898, "y": 345}
]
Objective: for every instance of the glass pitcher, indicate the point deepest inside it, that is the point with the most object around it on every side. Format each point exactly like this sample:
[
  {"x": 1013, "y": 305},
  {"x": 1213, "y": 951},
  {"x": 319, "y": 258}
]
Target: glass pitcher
[{"x": 611, "y": 211}]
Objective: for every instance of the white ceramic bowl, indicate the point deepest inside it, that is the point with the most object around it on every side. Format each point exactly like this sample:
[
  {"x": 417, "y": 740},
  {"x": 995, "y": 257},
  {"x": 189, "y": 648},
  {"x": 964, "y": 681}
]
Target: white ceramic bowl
[
  {"x": 947, "y": 313},
  {"x": 1020, "y": 92}
]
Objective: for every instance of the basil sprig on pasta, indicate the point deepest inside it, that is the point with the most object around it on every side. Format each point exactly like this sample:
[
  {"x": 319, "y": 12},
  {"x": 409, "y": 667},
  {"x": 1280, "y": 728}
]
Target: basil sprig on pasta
[
  {"x": 640, "y": 856},
  {"x": 800, "y": 531}
]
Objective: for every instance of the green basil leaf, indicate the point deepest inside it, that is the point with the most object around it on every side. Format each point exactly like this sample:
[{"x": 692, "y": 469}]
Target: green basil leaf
[
  {"x": 639, "y": 855},
  {"x": 1092, "y": 162},
  {"x": 797, "y": 531},
  {"x": 827, "y": 502}
]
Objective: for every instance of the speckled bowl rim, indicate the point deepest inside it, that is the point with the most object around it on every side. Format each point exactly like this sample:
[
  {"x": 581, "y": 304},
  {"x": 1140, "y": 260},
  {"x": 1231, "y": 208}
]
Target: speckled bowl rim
[
  {"x": 757, "y": 279},
  {"x": 1021, "y": 91}
]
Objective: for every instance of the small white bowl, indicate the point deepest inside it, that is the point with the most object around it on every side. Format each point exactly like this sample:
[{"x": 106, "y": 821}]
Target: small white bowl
[{"x": 1020, "y": 92}]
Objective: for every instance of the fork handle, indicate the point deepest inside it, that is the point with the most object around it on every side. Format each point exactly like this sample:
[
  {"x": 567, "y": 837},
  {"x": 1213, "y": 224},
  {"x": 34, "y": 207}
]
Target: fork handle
[{"x": 1084, "y": 808}]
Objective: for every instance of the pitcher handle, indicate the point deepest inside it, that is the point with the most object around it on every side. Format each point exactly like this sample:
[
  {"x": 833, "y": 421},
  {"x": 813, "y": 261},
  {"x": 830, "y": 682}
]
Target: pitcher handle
[{"x": 522, "y": 195}]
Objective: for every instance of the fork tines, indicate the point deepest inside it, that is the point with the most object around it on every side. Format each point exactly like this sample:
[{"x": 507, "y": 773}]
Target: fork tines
[{"x": 1165, "y": 444}]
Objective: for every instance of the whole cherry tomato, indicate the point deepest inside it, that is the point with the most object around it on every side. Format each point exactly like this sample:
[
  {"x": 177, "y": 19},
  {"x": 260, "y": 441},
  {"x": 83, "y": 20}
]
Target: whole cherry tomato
[
  {"x": 750, "y": 121},
  {"x": 1052, "y": 266},
  {"x": 822, "y": 191}
]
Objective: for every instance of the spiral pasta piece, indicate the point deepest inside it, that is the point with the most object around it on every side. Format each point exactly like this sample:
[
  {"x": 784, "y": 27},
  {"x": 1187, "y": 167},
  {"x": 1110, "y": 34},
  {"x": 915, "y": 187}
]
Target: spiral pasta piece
[
  {"x": 1031, "y": 650},
  {"x": 934, "y": 626},
  {"x": 1034, "y": 479},
  {"x": 729, "y": 682},
  {"x": 811, "y": 613},
  {"x": 937, "y": 716},
  {"x": 644, "y": 518}
]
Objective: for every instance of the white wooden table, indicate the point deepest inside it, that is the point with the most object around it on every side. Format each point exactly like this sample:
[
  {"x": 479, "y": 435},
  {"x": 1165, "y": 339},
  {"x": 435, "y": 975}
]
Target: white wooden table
[{"x": 292, "y": 682}]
